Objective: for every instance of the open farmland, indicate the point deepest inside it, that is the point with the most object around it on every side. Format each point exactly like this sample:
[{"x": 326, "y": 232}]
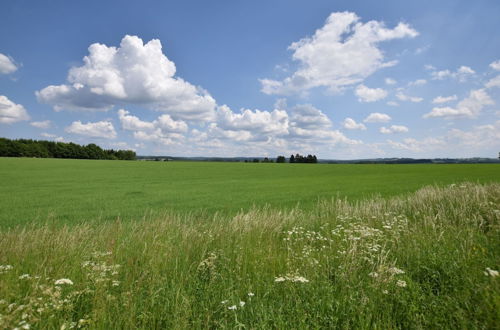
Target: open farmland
[{"x": 77, "y": 191}]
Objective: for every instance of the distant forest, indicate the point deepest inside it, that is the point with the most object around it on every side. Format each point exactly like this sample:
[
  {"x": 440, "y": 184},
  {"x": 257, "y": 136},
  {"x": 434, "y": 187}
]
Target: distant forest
[{"x": 50, "y": 149}]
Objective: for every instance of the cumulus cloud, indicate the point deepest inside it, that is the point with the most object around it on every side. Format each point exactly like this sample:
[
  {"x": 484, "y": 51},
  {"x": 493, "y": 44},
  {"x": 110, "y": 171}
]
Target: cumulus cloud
[
  {"x": 495, "y": 65},
  {"x": 350, "y": 123},
  {"x": 343, "y": 52},
  {"x": 414, "y": 145},
  {"x": 100, "y": 129},
  {"x": 41, "y": 124},
  {"x": 403, "y": 97},
  {"x": 7, "y": 65},
  {"x": 52, "y": 136},
  {"x": 470, "y": 107},
  {"x": 444, "y": 99},
  {"x": 135, "y": 73},
  {"x": 11, "y": 112},
  {"x": 366, "y": 94},
  {"x": 377, "y": 117},
  {"x": 163, "y": 130},
  {"x": 393, "y": 104},
  {"x": 461, "y": 74},
  {"x": 394, "y": 129}
]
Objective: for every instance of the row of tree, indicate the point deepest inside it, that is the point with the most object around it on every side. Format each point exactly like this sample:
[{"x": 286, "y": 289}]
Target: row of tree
[
  {"x": 298, "y": 159},
  {"x": 50, "y": 149}
]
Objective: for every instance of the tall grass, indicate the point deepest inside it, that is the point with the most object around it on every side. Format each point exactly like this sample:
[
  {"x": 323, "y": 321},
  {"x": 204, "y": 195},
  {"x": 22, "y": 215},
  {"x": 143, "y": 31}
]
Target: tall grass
[{"x": 425, "y": 260}]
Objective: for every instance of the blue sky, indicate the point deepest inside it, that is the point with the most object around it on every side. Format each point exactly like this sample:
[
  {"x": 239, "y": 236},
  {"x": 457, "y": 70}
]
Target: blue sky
[{"x": 340, "y": 79}]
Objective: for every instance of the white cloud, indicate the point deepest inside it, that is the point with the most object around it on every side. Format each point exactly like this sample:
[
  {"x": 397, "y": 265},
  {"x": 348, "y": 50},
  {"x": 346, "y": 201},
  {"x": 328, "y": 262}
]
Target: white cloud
[
  {"x": 163, "y": 130},
  {"x": 41, "y": 124},
  {"x": 52, "y": 136},
  {"x": 377, "y": 117},
  {"x": 350, "y": 123},
  {"x": 100, "y": 129},
  {"x": 414, "y": 145},
  {"x": 495, "y": 65},
  {"x": 394, "y": 129},
  {"x": 461, "y": 74},
  {"x": 11, "y": 112},
  {"x": 341, "y": 53},
  {"x": 366, "y": 94},
  {"x": 393, "y": 104},
  {"x": 134, "y": 73},
  {"x": 403, "y": 97},
  {"x": 390, "y": 81},
  {"x": 7, "y": 65},
  {"x": 444, "y": 99},
  {"x": 494, "y": 82},
  {"x": 418, "y": 82},
  {"x": 469, "y": 107}
]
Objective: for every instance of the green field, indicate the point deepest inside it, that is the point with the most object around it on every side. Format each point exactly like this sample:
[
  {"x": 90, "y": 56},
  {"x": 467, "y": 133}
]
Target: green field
[{"x": 75, "y": 191}]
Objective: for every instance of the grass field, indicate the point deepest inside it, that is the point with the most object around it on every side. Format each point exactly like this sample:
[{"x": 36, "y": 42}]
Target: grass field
[
  {"x": 78, "y": 191},
  {"x": 426, "y": 260}
]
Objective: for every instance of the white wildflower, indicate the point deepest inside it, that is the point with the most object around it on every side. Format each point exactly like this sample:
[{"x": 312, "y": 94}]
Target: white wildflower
[
  {"x": 280, "y": 279},
  {"x": 224, "y": 302},
  {"x": 385, "y": 292},
  {"x": 63, "y": 281},
  {"x": 401, "y": 284},
  {"x": 25, "y": 277},
  {"x": 300, "y": 279},
  {"x": 115, "y": 283},
  {"x": 5, "y": 268},
  {"x": 491, "y": 272},
  {"x": 251, "y": 294},
  {"x": 396, "y": 271},
  {"x": 373, "y": 274},
  {"x": 242, "y": 303},
  {"x": 232, "y": 308}
]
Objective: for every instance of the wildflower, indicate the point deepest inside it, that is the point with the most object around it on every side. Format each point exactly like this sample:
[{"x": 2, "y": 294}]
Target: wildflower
[
  {"x": 491, "y": 272},
  {"x": 385, "y": 292},
  {"x": 115, "y": 283},
  {"x": 25, "y": 276},
  {"x": 401, "y": 284},
  {"x": 373, "y": 274},
  {"x": 396, "y": 271},
  {"x": 5, "y": 268},
  {"x": 232, "y": 308},
  {"x": 63, "y": 281},
  {"x": 300, "y": 279},
  {"x": 280, "y": 279},
  {"x": 251, "y": 294},
  {"x": 242, "y": 303},
  {"x": 224, "y": 302}
]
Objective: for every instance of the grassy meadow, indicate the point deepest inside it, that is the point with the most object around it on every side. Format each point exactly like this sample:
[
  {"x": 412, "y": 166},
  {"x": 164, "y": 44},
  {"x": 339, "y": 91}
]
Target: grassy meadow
[
  {"x": 125, "y": 245},
  {"x": 77, "y": 191}
]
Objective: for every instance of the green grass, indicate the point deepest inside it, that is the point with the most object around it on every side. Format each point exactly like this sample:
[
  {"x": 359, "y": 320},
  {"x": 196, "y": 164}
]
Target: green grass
[
  {"x": 418, "y": 261},
  {"x": 77, "y": 191}
]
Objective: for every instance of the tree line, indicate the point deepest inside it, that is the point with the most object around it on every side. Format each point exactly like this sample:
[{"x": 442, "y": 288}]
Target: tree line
[
  {"x": 311, "y": 159},
  {"x": 50, "y": 149}
]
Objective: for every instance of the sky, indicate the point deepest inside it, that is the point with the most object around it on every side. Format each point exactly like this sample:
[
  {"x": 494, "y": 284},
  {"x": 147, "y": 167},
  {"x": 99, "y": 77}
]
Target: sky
[{"x": 338, "y": 79}]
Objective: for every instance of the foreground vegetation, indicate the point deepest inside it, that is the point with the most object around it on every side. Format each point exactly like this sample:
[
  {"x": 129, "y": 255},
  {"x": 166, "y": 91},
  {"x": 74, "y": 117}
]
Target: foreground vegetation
[
  {"x": 77, "y": 191},
  {"x": 423, "y": 260}
]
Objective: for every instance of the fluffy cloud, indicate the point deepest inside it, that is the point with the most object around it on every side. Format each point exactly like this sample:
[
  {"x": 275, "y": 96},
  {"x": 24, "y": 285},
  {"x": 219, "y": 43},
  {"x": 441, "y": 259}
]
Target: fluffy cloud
[
  {"x": 11, "y": 112},
  {"x": 393, "y": 104},
  {"x": 41, "y": 124},
  {"x": 461, "y": 74},
  {"x": 403, "y": 97},
  {"x": 393, "y": 129},
  {"x": 377, "y": 117},
  {"x": 350, "y": 123},
  {"x": 444, "y": 99},
  {"x": 469, "y": 107},
  {"x": 135, "y": 73},
  {"x": 366, "y": 94},
  {"x": 100, "y": 129},
  {"x": 52, "y": 136},
  {"x": 7, "y": 65},
  {"x": 163, "y": 130},
  {"x": 495, "y": 65},
  {"x": 414, "y": 145},
  {"x": 343, "y": 52}
]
